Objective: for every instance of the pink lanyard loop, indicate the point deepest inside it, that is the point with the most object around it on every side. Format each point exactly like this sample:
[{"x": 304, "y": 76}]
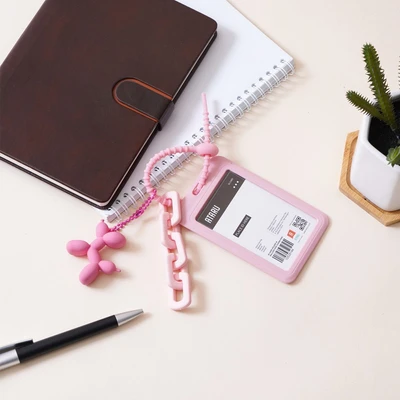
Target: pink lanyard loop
[{"x": 205, "y": 149}]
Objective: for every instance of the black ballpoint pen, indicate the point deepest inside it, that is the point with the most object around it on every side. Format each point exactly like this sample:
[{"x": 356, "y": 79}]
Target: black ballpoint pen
[{"x": 20, "y": 352}]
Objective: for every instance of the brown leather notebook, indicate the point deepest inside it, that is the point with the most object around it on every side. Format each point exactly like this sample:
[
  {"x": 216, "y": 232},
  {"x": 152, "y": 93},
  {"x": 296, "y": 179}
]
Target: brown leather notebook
[{"x": 90, "y": 82}]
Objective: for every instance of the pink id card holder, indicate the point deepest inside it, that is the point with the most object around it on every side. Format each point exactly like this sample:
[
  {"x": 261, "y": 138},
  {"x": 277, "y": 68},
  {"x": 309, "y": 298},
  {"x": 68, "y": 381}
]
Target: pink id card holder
[{"x": 254, "y": 220}]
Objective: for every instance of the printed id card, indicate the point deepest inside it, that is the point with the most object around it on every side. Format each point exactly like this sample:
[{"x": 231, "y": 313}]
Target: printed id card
[{"x": 254, "y": 219}]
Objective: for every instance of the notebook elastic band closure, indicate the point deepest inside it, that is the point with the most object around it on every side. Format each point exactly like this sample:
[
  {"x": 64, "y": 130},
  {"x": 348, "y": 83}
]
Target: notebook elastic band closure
[{"x": 144, "y": 99}]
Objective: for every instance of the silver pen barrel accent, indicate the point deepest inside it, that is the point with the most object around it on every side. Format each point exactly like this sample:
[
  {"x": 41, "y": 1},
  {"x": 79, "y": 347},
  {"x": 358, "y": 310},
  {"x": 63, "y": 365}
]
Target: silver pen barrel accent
[{"x": 8, "y": 359}]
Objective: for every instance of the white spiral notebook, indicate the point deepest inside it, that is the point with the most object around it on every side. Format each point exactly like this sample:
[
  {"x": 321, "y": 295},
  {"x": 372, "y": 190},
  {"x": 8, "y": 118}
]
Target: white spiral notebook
[{"x": 242, "y": 66}]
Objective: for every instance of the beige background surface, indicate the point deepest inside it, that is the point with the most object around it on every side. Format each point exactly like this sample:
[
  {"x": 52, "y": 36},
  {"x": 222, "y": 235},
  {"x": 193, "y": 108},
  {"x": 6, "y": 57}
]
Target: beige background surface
[{"x": 334, "y": 334}]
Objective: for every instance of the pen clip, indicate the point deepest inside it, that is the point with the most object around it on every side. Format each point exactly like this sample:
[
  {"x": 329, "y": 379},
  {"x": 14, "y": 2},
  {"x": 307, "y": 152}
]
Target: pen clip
[{"x": 15, "y": 346}]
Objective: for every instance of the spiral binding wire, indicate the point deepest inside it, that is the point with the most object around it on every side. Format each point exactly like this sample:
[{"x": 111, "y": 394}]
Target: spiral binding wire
[{"x": 228, "y": 117}]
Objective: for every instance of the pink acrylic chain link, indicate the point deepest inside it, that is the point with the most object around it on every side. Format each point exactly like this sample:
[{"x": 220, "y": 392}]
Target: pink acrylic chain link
[
  {"x": 177, "y": 273},
  {"x": 170, "y": 215},
  {"x": 171, "y": 238}
]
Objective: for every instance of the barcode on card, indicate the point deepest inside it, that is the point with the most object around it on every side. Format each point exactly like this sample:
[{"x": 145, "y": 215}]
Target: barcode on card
[
  {"x": 283, "y": 251},
  {"x": 300, "y": 223}
]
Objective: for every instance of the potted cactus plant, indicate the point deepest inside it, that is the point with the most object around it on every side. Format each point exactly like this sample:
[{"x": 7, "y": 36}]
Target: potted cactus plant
[{"x": 375, "y": 169}]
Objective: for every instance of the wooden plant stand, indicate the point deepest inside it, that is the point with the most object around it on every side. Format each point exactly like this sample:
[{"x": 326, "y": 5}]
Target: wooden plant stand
[{"x": 385, "y": 217}]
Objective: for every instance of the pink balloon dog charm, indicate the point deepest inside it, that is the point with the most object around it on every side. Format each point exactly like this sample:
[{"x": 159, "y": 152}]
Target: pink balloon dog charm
[{"x": 104, "y": 237}]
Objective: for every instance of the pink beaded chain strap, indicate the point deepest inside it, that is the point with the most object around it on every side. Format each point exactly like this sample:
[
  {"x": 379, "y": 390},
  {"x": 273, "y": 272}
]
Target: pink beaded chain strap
[
  {"x": 205, "y": 149},
  {"x": 111, "y": 237}
]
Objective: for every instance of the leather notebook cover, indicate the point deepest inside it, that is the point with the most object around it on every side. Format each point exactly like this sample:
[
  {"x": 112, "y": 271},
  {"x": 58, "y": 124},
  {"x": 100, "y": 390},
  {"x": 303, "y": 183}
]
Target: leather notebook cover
[{"x": 89, "y": 83}]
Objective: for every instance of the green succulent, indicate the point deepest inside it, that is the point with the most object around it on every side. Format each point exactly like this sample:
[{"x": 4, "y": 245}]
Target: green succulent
[
  {"x": 383, "y": 109},
  {"x": 394, "y": 156}
]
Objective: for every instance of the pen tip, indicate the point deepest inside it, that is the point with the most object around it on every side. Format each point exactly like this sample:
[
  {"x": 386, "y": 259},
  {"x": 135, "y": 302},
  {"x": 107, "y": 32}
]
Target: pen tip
[{"x": 128, "y": 316}]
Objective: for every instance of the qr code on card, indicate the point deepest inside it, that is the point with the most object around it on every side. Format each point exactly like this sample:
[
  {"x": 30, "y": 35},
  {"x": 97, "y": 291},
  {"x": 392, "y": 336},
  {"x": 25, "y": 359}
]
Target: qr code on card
[{"x": 300, "y": 223}]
